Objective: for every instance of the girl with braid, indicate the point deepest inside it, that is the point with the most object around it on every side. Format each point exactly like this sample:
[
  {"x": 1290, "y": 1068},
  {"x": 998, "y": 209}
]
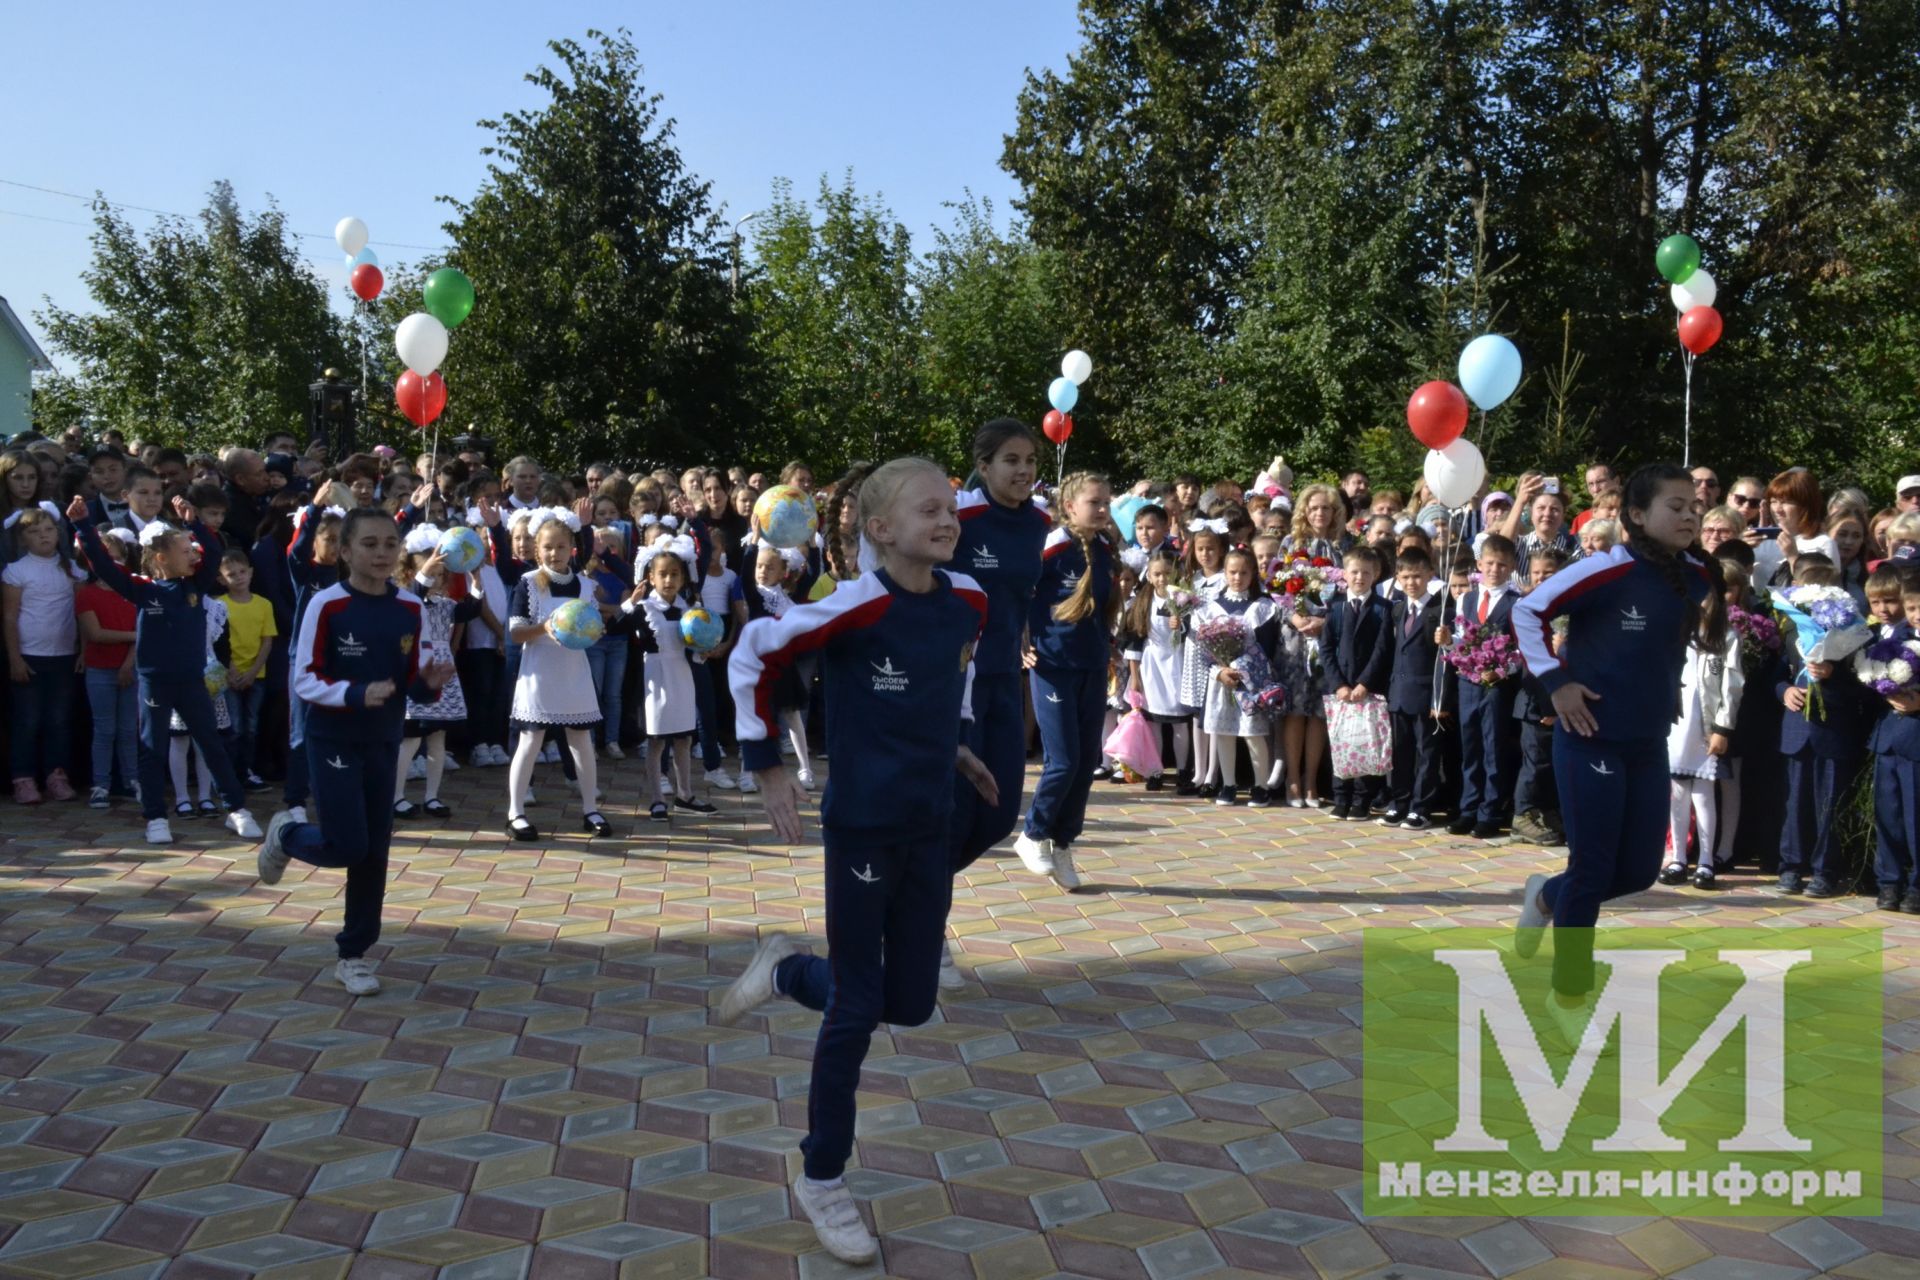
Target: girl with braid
[
  {"x": 1631, "y": 613},
  {"x": 1068, "y": 624}
]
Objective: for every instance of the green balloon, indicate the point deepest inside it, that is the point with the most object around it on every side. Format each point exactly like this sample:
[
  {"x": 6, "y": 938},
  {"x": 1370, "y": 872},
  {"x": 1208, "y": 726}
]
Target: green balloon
[
  {"x": 1678, "y": 257},
  {"x": 449, "y": 295}
]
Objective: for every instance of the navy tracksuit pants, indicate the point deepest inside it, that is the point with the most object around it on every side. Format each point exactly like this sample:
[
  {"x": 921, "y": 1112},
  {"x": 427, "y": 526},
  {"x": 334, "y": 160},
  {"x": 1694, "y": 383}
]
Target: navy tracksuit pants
[
  {"x": 1613, "y": 799},
  {"x": 353, "y": 798},
  {"x": 1487, "y": 751},
  {"x": 998, "y": 735},
  {"x": 887, "y": 905},
  {"x": 1815, "y": 787},
  {"x": 1069, "y": 707},
  {"x": 160, "y": 697}
]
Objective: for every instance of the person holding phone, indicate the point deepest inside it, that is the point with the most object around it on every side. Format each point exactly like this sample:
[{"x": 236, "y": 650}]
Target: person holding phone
[{"x": 1797, "y": 505}]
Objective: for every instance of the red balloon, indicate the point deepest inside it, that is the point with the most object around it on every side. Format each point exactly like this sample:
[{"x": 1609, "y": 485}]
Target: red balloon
[
  {"x": 1438, "y": 414},
  {"x": 1700, "y": 328},
  {"x": 421, "y": 399},
  {"x": 1057, "y": 426},
  {"x": 367, "y": 282}
]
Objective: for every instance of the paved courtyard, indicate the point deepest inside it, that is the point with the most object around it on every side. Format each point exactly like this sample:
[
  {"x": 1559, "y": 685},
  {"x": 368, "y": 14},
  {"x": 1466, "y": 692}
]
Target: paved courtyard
[{"x": 1154, "y": 1079}]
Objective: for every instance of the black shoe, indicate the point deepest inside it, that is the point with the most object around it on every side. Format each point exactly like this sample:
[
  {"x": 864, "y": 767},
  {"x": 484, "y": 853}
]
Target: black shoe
[
  {"x": 1185, "y": 787},
  {"x": 1259, "y": 798},
  {"x": 1460, "y": 827},
  {"x": 1155, "y": 783},
  {"x": 658, "y": 812},
  {"x": 1889, "y": 899},
  {"x": 1390, "y": 819},
  {"x": 1791, "y": 882},
  {"x": 436, "y": 809},
  {"x": 1340, "y": 812},
  {"x": 1102, "y": 774},
  {"x": 1207, "y": 792},
  {"x": 405, "y": 809},
  {"x": 1821, "y": 887},
  {"x": 1673, "y": 873},
  {"x": 1486, "y": 831},
  {"x": 1703, "y": 877},
  {"x": 522, "y": 830},
  {"x": 1227, "y": 796},
  {"x": 694, "y": 803},
  {"x": 1910, "y": 902},
  {"x": 595, "y": 825},
  {"x": 1414, "y": 822}
]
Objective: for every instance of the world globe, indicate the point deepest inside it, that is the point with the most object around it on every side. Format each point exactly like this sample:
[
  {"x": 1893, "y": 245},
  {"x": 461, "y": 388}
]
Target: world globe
[
  {"x": 215, "y": 677},
  {"x": 462, "y": 550},
  {"x": 700, "y": 629},
  {"x": 785, "y": 517},
  {"x": 576, "y": 624}
]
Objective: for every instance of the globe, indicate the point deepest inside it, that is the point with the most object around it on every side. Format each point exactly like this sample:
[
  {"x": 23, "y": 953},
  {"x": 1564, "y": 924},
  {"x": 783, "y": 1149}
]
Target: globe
[
  {"x": 784, "y": 515},
  {"x": 700, "y": 629},
  {"x": 215, "y": 677},
  {"x": 576, "y": 624},
  {"x": 462, "y": 549}
]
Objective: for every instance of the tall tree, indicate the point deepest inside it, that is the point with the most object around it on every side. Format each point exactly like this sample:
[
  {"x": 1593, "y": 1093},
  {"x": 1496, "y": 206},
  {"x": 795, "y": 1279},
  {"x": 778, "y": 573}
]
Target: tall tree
[
  {"x": 208, "y": 331},
  {"x": 605, "y": 322}
]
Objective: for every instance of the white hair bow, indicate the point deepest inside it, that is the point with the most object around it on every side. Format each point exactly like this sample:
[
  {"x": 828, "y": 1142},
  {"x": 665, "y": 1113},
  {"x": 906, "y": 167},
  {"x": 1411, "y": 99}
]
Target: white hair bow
[
  {"x": 796, "y": 559},
  {"x": 474, "y": 517},
  {"x": 127, "y": 536},
  {"x": 47, "y": 507},
  {"x": 541, "y": 515},
  {"x": 1135, "y": 558},
  {"x": 340, "y": 512},
  {"x": 680, "y": 545},
  {"x": 424, "y": 537},
  {"x": 1208, "y": 526},
  {"x": 642, "y": 522},
  {"x": 671, "y": 522},
  {"x": 154, "y": 532}
]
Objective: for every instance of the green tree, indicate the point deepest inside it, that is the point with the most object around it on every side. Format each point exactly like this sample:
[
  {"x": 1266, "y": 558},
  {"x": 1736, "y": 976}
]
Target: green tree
[
  {"x": 207, "y": 331},
  {"x": 835, "y": 331},
  {"x": 605, "y": 323}
]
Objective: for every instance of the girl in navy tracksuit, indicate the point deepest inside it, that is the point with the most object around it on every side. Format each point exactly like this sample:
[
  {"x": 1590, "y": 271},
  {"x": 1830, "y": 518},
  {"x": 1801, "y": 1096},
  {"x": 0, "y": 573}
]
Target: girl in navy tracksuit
[
  {"x": 1001, "y": 534},
  {"x": 1615, "y": 688},
  {"x": 356, "y": 665},
  {"x": 170, "y": 659},
  {"x": 1069, "y": 622},
  {"x": 895, "y": 646}
]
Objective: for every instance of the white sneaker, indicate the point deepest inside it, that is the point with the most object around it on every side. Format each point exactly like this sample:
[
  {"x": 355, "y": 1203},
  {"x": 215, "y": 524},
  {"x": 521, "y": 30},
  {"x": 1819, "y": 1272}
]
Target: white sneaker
[
  {"x": 1573, "y": 1019},
  {"x": 551, "y": 755},
  {"x": 614, "y": 752},
  {"x": 754, "y": 986},
  {"x": 1064, "y": 874},
  {"x": 241, "y": 823},
  {"x": 806, "y": 779},
  {"x": 273, "y": 858},
  {"x": 298, "y": 813},
  {"x": 666, "y": 785},
  {"x": 1035, "y": 855},
  {"x": 158, "y": 832},
  {"x": 480, "y": 757},
  {"x": 357, "y": 977},
  {"x": 417, "y": 771},
  {"x": 720, "y": 779},
  {"x": 836, "y": 1220},
  {"x": 1531, "y": 926},
  {"x": 951, "y": 979},
  {"x": 452, "y": 765},
  {"x": 747, "y": 785}
]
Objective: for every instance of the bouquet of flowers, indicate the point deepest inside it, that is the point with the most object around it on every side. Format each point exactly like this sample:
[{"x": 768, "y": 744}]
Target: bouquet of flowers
[
  {"x": 1179, "y": 602},
  {"x": 1227, "y": 642},
  {"x": 1223, "y": 640},
  {"x": 1304, "y": 580},
  {"x": 1484, "y": 655},
  {"x": 1759, "y": 637},
  {"x": 1889, "y": 666},
  {"x": 1827, "y": 625}
]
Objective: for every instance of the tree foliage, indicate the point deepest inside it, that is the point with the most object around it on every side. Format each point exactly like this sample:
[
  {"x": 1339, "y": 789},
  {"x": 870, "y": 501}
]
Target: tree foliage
[{"x": 207, "y": 331}]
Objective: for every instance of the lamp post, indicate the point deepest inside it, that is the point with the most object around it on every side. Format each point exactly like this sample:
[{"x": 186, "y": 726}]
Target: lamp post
[{"x": 736, "y": 246}]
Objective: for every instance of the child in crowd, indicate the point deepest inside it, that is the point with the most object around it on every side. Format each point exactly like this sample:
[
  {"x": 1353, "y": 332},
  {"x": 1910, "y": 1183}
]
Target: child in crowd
[
  {"x": 1156, "y": 661},
  {"x": 661, "y": 599},
  {"x": 251, "y": 631},
  {"x": 1487, "y": 740},
  {"x": 145, "y": 497},
  {"x": 1202, "y": 565},
  {"x": 1357, "y": 648},
  {"x": 715, "y": 588},
  {"x": 1242, "y": 597},
  {"x": 1414, "y": 623},
  {"x": 180, "y": 744},
  {"x": 107, "y": 621},
  {"x": 312, "y": 565},
  {"x": 1126, "y": 641},
  {"x": 1536, "y": 802},
  {"x": 607, "y": 565},
  {"x": 774, "y": 573},
  {"x": 481, "y": 661},
  {"x": 42, "y": 639},
  {"x": 1896, "y": 758},
  {"x": 1711, "y": 688},
  {"x": 443, "y": 621},
  {"x": 1821, "y": 738}
]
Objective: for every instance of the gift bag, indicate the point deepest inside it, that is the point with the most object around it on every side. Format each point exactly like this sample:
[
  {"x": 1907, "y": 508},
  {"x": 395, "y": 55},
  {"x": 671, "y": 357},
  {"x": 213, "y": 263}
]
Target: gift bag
[
  {"x": 1135, "y": 744},
  {"x": 1360, "y": 736}
]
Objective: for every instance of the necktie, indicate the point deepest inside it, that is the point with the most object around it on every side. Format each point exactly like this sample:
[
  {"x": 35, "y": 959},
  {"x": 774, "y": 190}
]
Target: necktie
[
  {"x": 1413, "y": 619},
  {"x": 1485, "y": 597}
]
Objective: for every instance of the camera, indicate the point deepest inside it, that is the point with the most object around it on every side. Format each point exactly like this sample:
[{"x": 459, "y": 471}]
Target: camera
[{"x": 1550, "y": 485}]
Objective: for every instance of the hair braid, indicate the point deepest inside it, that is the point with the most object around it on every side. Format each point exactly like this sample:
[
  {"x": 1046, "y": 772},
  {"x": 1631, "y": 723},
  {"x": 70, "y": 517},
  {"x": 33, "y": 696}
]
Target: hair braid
[
  {"x": 1080, "y": 605},
  {"x": 845, "y": 488},
  {"x": 1639, "y": 496}
]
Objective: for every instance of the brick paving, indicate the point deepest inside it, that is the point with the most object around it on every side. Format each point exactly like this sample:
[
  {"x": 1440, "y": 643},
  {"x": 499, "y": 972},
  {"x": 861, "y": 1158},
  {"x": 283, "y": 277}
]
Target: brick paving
[{"x": 1154, "y": 1079}]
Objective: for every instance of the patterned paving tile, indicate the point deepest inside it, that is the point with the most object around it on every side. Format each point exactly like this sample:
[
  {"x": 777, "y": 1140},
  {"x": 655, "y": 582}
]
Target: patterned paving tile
[{"x": 1156, "y": 1080}]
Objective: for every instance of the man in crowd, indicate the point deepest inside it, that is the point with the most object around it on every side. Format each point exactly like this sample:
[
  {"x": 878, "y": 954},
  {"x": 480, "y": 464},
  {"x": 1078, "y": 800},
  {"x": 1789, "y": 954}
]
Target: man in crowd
[
  {"x": 1706, "y": 488},
  {"x": 1600, "y": 480},
  {"x": 246, "y": 485},
  {"x": 1906, "y": 494},
  {"x": 523, "y": 480}
]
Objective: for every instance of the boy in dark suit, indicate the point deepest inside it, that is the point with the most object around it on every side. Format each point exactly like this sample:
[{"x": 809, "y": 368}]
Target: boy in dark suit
[
  {"x": 1536, "y": 802},
  {"x": 1414, "y": 624},
  {"x": 1356, "y": 646},
  {"x": 1488, "y": 744},
  {"x": 1822, "y": 740},
  {"x": 1896, "y": 773}
]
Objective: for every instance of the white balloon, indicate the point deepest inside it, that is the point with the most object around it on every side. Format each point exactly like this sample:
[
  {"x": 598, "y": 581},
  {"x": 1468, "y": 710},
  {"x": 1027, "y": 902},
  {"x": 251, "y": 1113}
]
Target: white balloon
[
  {"x": 351, "y": 235},
  {"x": 1698, "y": 290},
  {"x": 421, "y": 341},
  {"x": 1455, "y": 472},
  {"x": 1077, "y": 367}
]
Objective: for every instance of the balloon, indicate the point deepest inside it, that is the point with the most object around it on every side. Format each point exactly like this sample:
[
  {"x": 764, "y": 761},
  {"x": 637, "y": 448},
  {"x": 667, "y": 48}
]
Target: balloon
[
  {"x": 422, "y": 343},
  {"x": 449, "y": 296},
  {"x": 1057, "y": 426},
  {"x": 1077, "y": 368},
  {"x": 1438, "y": 414},
  {"x": 363, "y": 258},
  {"x": 351, "y": 235},
  {"x": 1124, "y": 509},
  {"x": 1700, "y": 328},
  {"x": 1455, "y": 472},
  {"x": 367, "y": 282},
  {"x": 1063, "y": 394},
  {"x": 421, "y": 399},
  {"x": 1678, "y": 257},
  {"x": 1489, "y": 370},
  {"x": 1698, "y": 291}
]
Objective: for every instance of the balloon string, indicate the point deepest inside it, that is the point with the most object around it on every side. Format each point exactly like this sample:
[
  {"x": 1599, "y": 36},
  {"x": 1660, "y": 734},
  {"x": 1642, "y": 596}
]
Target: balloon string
[{"x": 1686, "y": 427}]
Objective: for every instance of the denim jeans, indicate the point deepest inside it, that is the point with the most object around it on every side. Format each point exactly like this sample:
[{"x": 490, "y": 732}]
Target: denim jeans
[
  {"x": 243, "y": 709},
  {"x": 116, "y": 727},
  {"x": 703, "y": 704},
  {"x": 608, "y": 662},
  {"x": 42, "y": 724}
]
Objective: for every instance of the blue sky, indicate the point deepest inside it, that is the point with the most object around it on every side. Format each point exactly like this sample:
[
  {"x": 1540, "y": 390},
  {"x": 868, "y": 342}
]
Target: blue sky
[{"x": 369, "y": 109}]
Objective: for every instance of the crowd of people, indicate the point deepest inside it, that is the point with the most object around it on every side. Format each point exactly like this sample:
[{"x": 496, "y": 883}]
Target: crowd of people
[{"x": 178, "y": 625}]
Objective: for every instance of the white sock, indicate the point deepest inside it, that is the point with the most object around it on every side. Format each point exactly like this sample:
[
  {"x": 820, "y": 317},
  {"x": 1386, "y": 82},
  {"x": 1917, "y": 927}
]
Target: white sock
[
  {"x": 1224, "y": 756},
  {"x": 580, "y": 742},
  {"x": 436, "y": 762},
  {"x": 520, "y": 774},
  {"x": 177, "y": 766},
  {"x": 408, "y": 748}
]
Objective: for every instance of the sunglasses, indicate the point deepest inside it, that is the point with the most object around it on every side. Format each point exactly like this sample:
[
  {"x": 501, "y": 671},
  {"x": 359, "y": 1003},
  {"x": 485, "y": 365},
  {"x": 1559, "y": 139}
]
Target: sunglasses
[{"x": 1741, "y": 500}]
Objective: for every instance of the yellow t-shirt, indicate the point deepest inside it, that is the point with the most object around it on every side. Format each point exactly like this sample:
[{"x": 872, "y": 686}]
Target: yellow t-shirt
[{"x": 248, "y": 625}]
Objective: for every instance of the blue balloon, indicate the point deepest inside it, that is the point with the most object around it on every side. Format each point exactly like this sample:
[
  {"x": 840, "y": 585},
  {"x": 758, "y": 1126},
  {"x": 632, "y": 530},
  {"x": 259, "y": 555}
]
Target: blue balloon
[
  {"x": 1489, "y": 370},
  {"x": 366, "y": 255},
  {"x": 1124, "y": 509},
  {"x": 1063, "y": 394}
]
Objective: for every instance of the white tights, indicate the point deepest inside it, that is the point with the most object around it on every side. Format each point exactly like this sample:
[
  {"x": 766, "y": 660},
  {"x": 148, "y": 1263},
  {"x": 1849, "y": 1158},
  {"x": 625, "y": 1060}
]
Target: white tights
[
  {"x": 177, "y": 765},
  {"x": 1729, "y": 811},
  {"x": 520, "y": 770},
  {"x": 1182, "y": 741},
  {"x": 1695, "y": 796},
  {"x": 679, "y": 761},
  {"x": 1228, "y": 758},
  {"x": 436, "y": 744},
  {"x": 1202, "y": 754},
  {"x": 796, "y": 724}
]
